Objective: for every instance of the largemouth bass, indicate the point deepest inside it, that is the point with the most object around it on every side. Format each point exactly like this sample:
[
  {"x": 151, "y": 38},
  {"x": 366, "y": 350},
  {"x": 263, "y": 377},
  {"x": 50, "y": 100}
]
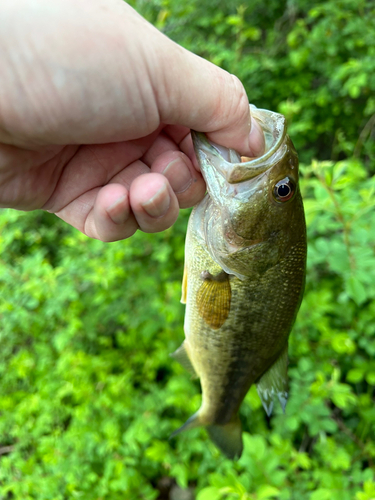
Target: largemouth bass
[{"x": 244, "y": 277}]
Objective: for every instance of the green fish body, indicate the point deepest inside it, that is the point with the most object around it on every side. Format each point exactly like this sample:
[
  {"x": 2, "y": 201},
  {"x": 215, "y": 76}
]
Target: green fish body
[{"x": 244, "y": 277}]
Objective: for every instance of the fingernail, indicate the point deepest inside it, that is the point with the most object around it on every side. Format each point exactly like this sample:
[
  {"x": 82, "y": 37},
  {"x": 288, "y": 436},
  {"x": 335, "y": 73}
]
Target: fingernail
[
  {"x": 179, "y": 177},
  {"x": 118, "y": 210},
  {"x": 158, "y": 205},
  {"x": 256, "y": 138}
]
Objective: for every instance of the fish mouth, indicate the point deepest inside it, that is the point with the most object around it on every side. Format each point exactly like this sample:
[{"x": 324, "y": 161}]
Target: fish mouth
[{"x": 228, "y": 162}]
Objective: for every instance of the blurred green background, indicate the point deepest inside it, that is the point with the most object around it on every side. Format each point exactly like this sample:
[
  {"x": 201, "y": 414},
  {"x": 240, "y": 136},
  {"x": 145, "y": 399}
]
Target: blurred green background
[{"x": 88, "y": 392}]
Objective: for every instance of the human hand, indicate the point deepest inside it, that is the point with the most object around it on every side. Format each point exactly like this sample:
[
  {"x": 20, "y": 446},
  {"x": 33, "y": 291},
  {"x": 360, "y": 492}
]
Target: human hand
[{"x": 96, "y": 107}]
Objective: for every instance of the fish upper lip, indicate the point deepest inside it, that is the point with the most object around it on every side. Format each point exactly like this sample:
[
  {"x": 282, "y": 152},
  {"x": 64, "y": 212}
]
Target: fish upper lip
[
  {"x": 239, "y": 172},
  {"x": 200, "y": 139}
]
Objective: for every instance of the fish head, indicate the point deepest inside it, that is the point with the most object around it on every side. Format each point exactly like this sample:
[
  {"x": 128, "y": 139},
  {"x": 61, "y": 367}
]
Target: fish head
[{"x": 255, "y": 212}]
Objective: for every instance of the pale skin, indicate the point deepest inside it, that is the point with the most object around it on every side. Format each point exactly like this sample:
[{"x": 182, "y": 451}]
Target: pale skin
[{"x": 96, "y": 107}]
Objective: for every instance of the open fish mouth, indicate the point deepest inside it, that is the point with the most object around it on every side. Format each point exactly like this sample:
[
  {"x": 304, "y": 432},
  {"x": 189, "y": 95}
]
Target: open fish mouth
[{"x": 228, "y": 162}]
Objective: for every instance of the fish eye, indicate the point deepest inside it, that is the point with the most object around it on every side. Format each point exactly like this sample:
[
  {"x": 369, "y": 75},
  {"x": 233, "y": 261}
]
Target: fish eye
[{"x": 284, "y": 190}]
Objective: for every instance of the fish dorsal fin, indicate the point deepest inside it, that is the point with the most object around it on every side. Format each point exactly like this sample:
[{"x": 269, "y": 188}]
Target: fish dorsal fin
[
  {"x": 181, "y": 356},
  {"x": 184, "y": 287},
  {"x": 213, "y": 299},
  {"x": 274, "y": 382}
]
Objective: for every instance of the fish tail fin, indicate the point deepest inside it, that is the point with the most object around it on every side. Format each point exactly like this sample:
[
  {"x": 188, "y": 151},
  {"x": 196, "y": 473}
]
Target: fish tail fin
[
  {"x": 228, "y": 437},
  {"x": 192, "y": 422}
]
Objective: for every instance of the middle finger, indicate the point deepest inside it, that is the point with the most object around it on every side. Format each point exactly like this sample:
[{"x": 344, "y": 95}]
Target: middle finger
[{"x": 165, "y": 157}]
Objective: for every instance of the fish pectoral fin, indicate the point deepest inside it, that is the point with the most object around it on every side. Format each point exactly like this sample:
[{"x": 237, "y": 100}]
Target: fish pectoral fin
[
  {"x": 274, "y": 382},
  {"x": 214, "y": 298},
  {"x": 184, "y": 287},
  {"x": 228, "y": 437},
  {"x": 182, "y": 357}
]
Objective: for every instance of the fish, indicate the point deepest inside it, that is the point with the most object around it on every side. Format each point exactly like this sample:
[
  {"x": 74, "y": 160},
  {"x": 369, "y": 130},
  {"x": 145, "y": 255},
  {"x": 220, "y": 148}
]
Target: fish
[{"x": 244, "y": 277}]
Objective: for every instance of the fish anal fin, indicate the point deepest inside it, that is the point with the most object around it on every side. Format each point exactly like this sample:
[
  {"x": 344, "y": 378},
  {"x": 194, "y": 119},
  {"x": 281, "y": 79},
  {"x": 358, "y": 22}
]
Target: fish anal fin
[
  {"x": 181, "y": 356},
  {"x": 274, "y": 382},
  {"x": 228, "y": 437},
  {"x": 184, "y": 287},
  {"x": 214, "y": 298},
  {"x": 191, "y": 423}
]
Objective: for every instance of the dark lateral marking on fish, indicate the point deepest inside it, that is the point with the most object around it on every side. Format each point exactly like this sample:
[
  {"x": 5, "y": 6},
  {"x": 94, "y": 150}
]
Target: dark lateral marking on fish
[{"x": 214, "y": 298}]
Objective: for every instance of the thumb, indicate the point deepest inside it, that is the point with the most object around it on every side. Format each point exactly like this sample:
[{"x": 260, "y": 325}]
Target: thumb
[{"x": 197, "y": 94}]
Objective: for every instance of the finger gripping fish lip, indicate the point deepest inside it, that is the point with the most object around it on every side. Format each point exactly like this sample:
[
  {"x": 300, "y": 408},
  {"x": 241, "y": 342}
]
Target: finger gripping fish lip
[{"x": 230, "y": 164}]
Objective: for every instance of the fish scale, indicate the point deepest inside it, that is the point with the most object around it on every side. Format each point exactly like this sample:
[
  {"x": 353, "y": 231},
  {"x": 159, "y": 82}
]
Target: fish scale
[{"x": 244, "y": 276}]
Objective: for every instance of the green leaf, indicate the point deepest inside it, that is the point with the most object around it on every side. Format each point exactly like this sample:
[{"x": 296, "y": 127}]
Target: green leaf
[
  {"x": 267, "y": 491},
  {"x": 355, "y": 375},
  {"x": 209, "y": 493},
  {"x": 368, "y": 492},
  {"x": 321, "y": 494},
  {"x": 356, "y": 290},
  {"x": 342, "y": 343}
]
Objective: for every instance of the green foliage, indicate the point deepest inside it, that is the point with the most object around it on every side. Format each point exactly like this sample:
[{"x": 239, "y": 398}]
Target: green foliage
[
  {"x": 312, "y": 61},
  {"x": 88, "y": 392}
]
